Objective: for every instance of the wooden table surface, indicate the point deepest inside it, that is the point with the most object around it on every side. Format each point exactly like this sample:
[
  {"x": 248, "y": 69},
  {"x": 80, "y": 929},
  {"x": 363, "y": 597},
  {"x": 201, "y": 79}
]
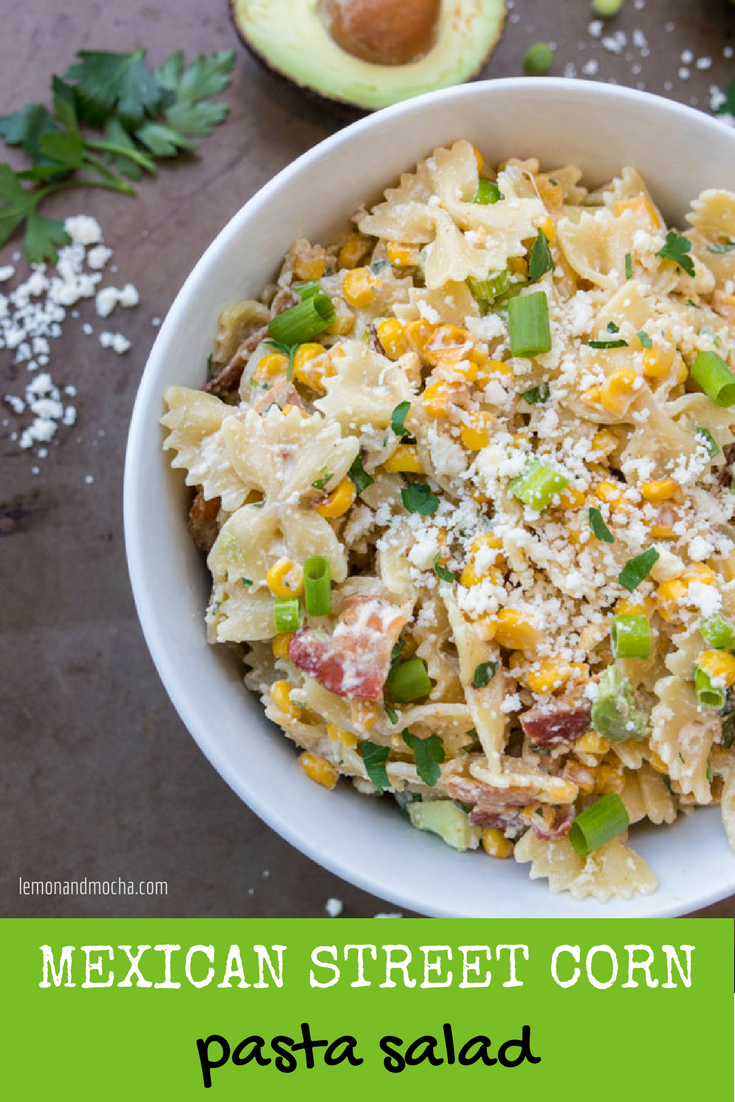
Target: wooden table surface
[{"x": 100, "y": 779}]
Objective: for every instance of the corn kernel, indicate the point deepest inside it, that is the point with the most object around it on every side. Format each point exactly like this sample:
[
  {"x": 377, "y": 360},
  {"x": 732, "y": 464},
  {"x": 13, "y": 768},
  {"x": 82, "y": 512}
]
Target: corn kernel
[
  {"x": 279, "y": 646},
  {"x": 718, "y": 665},
  {"x": 551, "y": 195},
  {"x": 660, "y": 489},
  {"x": 549, "y": 230},
  {"x": 319, "y": 769},
  {"x": 592, "y": 396},
  {"x": 486, "y": 627},
  {"x": 336, "y": 734},
  {"x": 448, "y": 344},
  {"x": 639, "y": 606},
  {"x": 353, "y": 252},
  {"x": 436, "y": 398},
  {"x": 592, "y": 743},
  {"x": 610, "y": 778},
  {"x": 392, "y": 338},
  {"x": 405, "y": 460},
  {"x": 472, "y": 576},
  {"x": 478, "y": 157},
  {"x": 363, "y": 714},
  {"x": 584, "y": 776},
  {"x": 552, "y": 674},
  {"x": 418, "y": 333},
  {"x": 358, "y": 287},
  {"x": 662, "y": 532},
  {"x": 571, "y": 498},
  {"x": 497, "y": 367},
  {"x": 304, "y": 370},
  {"x": 670, "y": 593},
  {"x": 656, "y": 762},
  {"x": 275, "y": 363},
  {"x": 618, "y": 391},
  {"x": 281, "y": 697},
  {"x": 516, "y": 630},
  {"x": 605, "y": 442},
  {"x": 609, "y": 492},
  {"x": 476, "y": 435},
  {"x": 312, "y": 264},
  {"x": 402, "y": 256},
  {"x": 285, "y": 578},
  {"x": 496, "y": 844},
  {"x": 518, "y": 265},
  {"x": 344, "y": 321},
  {"x": 657, "y": 361},
  {"x": 638, "y": 203},
  {"x": 682, "y": 371},
  {"x": 485, "y": 539},
  {"x": 339, "y": 501}
]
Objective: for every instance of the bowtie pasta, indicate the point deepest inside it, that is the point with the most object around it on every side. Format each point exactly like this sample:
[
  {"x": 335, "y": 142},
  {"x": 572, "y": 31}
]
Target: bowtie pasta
[{"x": 464, "y": 480}]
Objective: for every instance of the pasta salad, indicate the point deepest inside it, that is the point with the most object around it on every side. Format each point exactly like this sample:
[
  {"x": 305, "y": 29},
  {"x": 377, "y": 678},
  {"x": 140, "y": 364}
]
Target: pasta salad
[{"x": 464, "y": 481}]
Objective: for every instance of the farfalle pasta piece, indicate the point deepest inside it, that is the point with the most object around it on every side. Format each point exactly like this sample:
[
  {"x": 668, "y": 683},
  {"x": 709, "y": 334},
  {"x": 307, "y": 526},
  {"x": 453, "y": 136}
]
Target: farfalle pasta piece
[
  {"x": 195, "y": 421},
  {"x": 364, "y": 390},
  {"x": 646, "y": 796},
  {"x": 682, "y": 733},
  {"x": 612, "y": 872}
]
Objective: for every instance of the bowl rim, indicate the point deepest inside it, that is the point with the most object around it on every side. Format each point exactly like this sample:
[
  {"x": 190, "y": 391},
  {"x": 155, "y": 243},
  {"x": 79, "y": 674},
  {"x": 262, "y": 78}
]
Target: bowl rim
[{"x": 268, "y": 812}]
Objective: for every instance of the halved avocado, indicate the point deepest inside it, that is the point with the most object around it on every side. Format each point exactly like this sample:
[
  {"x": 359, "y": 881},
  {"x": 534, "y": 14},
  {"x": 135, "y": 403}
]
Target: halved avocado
[{"x": 293, "y": 38}]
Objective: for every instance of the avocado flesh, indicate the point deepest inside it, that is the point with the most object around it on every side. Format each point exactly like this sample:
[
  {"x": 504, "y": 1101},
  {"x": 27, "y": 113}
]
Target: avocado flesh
[{"x": 290, "y": 37}]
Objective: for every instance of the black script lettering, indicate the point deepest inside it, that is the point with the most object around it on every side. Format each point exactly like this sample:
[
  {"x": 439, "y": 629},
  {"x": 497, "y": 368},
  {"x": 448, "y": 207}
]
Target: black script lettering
[
  {"x": 525, "y": 1050},
  {"x": 205, "y": 1063}
]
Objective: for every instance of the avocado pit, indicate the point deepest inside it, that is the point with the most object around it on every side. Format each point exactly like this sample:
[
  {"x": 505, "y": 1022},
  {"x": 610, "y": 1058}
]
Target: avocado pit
[{"x": 382, "y": 31}]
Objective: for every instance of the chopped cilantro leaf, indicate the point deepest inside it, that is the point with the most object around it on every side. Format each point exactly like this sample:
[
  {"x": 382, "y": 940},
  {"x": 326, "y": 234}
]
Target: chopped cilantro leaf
[
  {"x": 609, "y": 344},
  {"x": 483, "y": 675},
  {"x": 638, "y": 568},
  {"x": 246, "y": 582},
  {"x": 418, "y": 498},
  {"x": 321, "y": 482},
  {"x": 612, "y": 327},
  {"x": 628, "y": 266},
  {"x": 428, "y": 754},
  {"x": 541, "y": 260},
  {"x": 397, "y": 418},
  {"x": 705, "y": 437},
  {"x": 537, "y": 395},
  {"x": 676, "y": 248},
  {"x": 398, "y": 648},
  {"x": 721, "y": 247},
  {"x": 374, "y": 758},
  {"x": 598, "y": 526},
  {"x": 645, "y": 339},
  {"x": 391, "y": 713},
  {"x": 441, "y": 571},
  {"x": 359, "y": 475}
]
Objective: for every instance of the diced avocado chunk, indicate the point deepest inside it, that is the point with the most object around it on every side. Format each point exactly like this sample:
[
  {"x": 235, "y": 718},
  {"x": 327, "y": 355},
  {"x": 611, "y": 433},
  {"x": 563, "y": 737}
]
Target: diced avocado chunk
[
  {"x": 450, "y": 822},
  {"x": 614, "y": 712}
]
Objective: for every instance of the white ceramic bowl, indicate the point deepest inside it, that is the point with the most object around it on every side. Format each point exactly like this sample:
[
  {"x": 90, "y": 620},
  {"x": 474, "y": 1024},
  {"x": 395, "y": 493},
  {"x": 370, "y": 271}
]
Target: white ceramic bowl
[{"x": 596, "y": 126}]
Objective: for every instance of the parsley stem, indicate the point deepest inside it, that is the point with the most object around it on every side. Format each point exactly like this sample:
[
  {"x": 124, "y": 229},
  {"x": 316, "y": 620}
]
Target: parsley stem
[{"x": 122, "y": 151}]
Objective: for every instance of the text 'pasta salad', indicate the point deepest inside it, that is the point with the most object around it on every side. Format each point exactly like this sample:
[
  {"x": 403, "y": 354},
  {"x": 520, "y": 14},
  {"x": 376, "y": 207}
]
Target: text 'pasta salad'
[{"x": 464, "y": 480}]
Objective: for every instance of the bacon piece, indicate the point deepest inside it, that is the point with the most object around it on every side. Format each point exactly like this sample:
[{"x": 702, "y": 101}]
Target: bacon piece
[
  {"x": 724, "y": 473},
  {"x": 354, "y": 661},
  {"x": 494, "y": 808},
  {"x": 228, "y": 376},
  {"x": 563, "y": 817},
  {"x": 557, "y": 722},
  {"x": 203, "y": 520},
  {"x": 283, "y": 393}
]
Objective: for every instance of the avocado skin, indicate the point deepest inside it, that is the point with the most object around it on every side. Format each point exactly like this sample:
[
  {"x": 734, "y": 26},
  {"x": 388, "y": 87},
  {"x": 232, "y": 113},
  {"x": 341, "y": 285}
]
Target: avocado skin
[{"x": 343, "y": 108}]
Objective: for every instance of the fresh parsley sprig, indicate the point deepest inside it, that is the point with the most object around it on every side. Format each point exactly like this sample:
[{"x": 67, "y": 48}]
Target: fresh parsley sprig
[
  {"x": 677, "y": 248},
  {"x": 139, "y": 116}
]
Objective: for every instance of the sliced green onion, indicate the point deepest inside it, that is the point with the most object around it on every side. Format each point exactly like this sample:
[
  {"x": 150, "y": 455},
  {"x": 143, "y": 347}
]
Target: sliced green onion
[
  {"x": 715, "y": 378},
  {"x": 719, "y": 632},
  {"x": 598, "y": 526},
  {"x": 309, "y": 290},
  {"x": 635, "y": 570},
  {"x": 317, "y": 586},
  {"x": 408, "y": 681},
  {"x": 538, "y": 484},
  {"x": 630, "y": 636},
  {"x": 487, "y": 192},
  {"x": 538, "y": 59},
  {"x": 598, "y": 823},
  {"x": 287, "y": 614},
  {"x": 628, "y": 266},
  {"x": 304, "y": 321},
  {"x": 606, "y": 9},
  {"x": 528, "y": 324},
  {"x": 708, "y": 695},
  {"x": 705, "y": 437},
  {"x": 537, "y": 395},
  {"x": 496, "y": 284}
]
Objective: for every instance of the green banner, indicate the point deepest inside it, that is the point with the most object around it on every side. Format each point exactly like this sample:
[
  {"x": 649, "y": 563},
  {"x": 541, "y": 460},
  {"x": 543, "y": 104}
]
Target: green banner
[{"x": 194, "y": 1008}]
